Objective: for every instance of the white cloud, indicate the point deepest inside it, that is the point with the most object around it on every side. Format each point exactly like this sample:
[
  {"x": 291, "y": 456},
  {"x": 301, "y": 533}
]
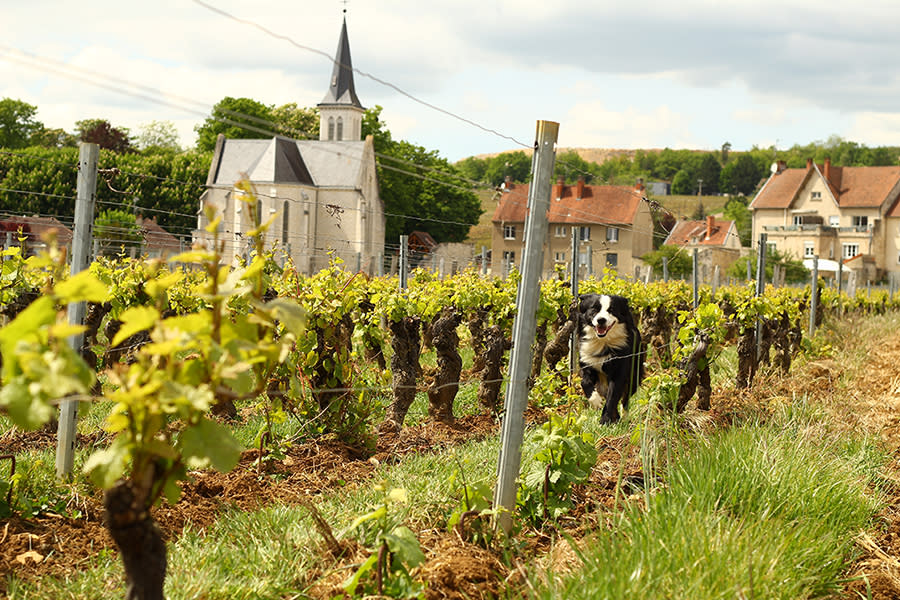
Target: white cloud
[{"x": 591, "y": 124}]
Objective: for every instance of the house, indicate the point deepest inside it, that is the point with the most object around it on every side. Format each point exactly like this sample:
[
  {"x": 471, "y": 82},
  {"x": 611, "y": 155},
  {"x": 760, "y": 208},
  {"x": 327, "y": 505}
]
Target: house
[
  {"x": 612, "y": 223},
  {"x": 157, "y": 242},
  {"x": 30, "y": 232},
  {"x": 848, "y": 214},
  {"x": 323, "y": 194},
  {"x": 717, "y": 242}
]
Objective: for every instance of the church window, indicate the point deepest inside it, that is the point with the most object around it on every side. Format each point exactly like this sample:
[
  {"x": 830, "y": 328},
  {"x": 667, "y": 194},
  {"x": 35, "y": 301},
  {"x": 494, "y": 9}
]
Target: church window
[
  {"x": 284, "y": 223},
  {"x": 340, "y": 128},
  {"x": 330, "y": 128}
]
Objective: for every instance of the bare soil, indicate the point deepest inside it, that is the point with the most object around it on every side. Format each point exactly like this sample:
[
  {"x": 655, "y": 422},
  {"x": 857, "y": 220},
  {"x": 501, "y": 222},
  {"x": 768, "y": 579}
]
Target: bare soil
[{"x": 54, "y": 545}]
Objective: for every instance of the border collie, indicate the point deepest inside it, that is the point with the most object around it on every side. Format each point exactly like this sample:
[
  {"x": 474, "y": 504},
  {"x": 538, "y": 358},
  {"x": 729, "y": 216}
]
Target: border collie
[{"x": 611, "y": 354}]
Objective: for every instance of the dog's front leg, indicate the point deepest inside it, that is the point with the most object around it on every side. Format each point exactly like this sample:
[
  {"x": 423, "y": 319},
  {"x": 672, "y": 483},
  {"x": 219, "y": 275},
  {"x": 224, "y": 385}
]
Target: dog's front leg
[{"x": 611, "y": 408}]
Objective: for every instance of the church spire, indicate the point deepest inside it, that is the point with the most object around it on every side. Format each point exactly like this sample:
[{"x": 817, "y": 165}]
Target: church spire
[
  {"x": 341, "y": 113},
  {"x": 342, "y": 90}
]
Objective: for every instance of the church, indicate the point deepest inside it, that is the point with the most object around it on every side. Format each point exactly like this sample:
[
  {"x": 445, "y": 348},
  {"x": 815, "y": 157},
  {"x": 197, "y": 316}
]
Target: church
[{"x": 323, "y": 194}]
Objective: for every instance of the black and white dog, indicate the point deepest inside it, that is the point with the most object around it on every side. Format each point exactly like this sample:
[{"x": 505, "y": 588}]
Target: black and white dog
[{"x": 612, "y": 359}]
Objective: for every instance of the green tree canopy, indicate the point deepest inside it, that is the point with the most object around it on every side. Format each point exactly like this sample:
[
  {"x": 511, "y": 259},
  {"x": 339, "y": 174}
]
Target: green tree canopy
[
  {"x": 421, "y": 191},
  {"x": 236, "y": 118},
  {"x": 117, "y": 232},
  {"x": 17, "y": 123},
  {"x": 681, "y": 183},
  {"x": 795, "y": 272},
  {"x": 742, "y": 175},
  {"x": 297, "y": 122},
  {"x": 736, "y": 209},
  {"x": 158, "y": 135},
  {"x": 680, "y": 263}
]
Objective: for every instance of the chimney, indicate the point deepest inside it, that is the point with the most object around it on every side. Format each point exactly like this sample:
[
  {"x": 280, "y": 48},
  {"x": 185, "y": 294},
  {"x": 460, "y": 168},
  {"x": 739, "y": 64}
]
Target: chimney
[
  {"x": 710, "y": 224},
  {"x": 507, "y": 182},
  {"x": 809, "y": 163},
  {"x": 782, "y": 165},
  {"x": 558, "y": 188},
  {"x": 579, "y": 189},
  {"x": 828, "y": 170},
  {"x": 639, "y": 185}
]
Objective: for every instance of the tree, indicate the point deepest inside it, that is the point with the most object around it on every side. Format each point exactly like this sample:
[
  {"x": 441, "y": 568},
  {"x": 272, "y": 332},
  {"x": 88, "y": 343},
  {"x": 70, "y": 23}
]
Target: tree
[
  {"x": 737, "y": 210},
  {"x": 726, "y": 148},
  {"x": 681, "y": 183},
  {"x": 742, "y": 175},
  {"x": 102, "y": 133},
  {"x": 236, "y": 118},
  {"x": 709, "y": 171},
  {"x": 158, "y": 135},
  {"x": 795, "y": 272},
  {"x": 570, "y": 166},
  {"x": 17, "y": 123},
  {"x": 421, "y": 191},
  {"x": 297, "y": 122},
  {"x": 53, "y": 138},
  {"x": 117, "y": 231},
  {"x": 680, "y": 263},
  {"x": 516, "y": 165}
]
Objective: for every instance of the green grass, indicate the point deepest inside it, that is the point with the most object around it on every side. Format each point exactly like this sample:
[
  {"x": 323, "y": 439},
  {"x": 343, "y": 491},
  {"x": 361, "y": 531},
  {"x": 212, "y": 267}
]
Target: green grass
[{"x": 764, "y": 509}]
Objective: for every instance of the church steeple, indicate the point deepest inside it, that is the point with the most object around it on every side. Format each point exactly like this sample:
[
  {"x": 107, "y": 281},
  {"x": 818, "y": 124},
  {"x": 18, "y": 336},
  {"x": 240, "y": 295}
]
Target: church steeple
[{"x": 341, "y": 111}]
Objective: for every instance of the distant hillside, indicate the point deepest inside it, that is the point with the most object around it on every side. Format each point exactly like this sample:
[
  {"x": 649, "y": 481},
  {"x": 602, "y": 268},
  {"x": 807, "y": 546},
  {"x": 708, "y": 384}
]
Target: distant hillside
[{"x": 596, "y": 155}]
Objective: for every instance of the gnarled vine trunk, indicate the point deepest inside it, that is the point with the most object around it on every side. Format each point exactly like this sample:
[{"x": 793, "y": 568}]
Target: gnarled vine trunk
[
  {"x": 140, "y": 543},
  {"x": 695, "y": 368},
  {"x": 405, "y": 370},
  {"x": 746, "y": 349},
  {"x": 443, "y": 389},
  {"x": 496, "y": 344}
]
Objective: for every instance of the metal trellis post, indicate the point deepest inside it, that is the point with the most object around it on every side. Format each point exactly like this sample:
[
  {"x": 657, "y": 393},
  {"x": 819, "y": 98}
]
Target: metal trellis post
[
  {"x": 525, "y": 324},
  {"x": 81, "y": 249}
]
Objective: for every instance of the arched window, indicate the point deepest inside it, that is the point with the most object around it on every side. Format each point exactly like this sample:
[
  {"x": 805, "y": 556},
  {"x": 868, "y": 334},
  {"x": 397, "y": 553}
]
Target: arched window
[
  {"x": 284, "y": 223},
  {"x": 340, "y": 128},
  {"x": 330, "y": 128}
]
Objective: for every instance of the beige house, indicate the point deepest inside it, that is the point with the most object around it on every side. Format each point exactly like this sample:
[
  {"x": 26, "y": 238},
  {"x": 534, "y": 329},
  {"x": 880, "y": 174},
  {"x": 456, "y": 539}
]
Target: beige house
[
  {"x": 612, "y": 223},
  {"x": 717, "y": 242},
  {"x": 323, "y": 194},
  {"x": 846, "y": 214}
]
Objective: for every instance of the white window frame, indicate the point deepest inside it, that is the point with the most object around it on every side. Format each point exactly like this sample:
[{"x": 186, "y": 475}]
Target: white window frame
[
  {"x": 509, "y": 256},
  {"x": 860, "y": 221},
  {"x": 612, "y": 234},
  {"x": 798, "y": 220},
  {"x": 845, "y": 250},
  {"x": 834, "y": 221},
  {"x": 809, "y": 249},
  {"x": 584, "y": 234},
  {"x": 771, "y": 247},
  {"x": 559, "y": 257},
  {"x": 815, "y": 196},
  {"x": 560, "y": 231},
  {"x": 509, "y": 232}
]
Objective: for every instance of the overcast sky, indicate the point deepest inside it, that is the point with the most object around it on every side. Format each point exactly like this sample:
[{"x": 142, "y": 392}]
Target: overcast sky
[{"x": 614, "y": 74}]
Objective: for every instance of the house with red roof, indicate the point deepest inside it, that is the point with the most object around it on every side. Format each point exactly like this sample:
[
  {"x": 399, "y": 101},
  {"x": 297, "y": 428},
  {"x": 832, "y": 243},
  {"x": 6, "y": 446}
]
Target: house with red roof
[
  {"x": 31, "y": 232},
  {"x": 717, "y": 241},
  {"x": 847, "y": 214},
  {"x": 613, "y": 225}
]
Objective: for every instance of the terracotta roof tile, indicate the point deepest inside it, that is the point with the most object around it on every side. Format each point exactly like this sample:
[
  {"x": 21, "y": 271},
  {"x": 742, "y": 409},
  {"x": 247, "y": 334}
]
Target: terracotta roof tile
[
  {"x": 691, "y": 233},
  {"x": 853, "y": 187},
  {"x": 599, "y": 204}
]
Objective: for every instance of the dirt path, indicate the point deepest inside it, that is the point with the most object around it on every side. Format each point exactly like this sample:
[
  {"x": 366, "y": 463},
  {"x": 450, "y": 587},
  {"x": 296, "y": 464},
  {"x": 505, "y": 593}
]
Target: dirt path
[{"x": 52, "y": 545}]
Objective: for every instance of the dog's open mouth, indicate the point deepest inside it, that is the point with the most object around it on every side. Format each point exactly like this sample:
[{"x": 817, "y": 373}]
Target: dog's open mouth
[{"x": 601, "y": 330}]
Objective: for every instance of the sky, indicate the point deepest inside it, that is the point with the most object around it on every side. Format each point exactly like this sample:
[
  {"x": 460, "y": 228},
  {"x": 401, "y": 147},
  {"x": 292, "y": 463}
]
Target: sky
[{"x": 468, "y": 77}]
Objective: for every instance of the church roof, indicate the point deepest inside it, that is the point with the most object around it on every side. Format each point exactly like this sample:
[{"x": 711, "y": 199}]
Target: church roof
[
  {"x": 275, "y": 160},
  {"x": 342, "y": 90},
  {"x": 283, "y": 160}
]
